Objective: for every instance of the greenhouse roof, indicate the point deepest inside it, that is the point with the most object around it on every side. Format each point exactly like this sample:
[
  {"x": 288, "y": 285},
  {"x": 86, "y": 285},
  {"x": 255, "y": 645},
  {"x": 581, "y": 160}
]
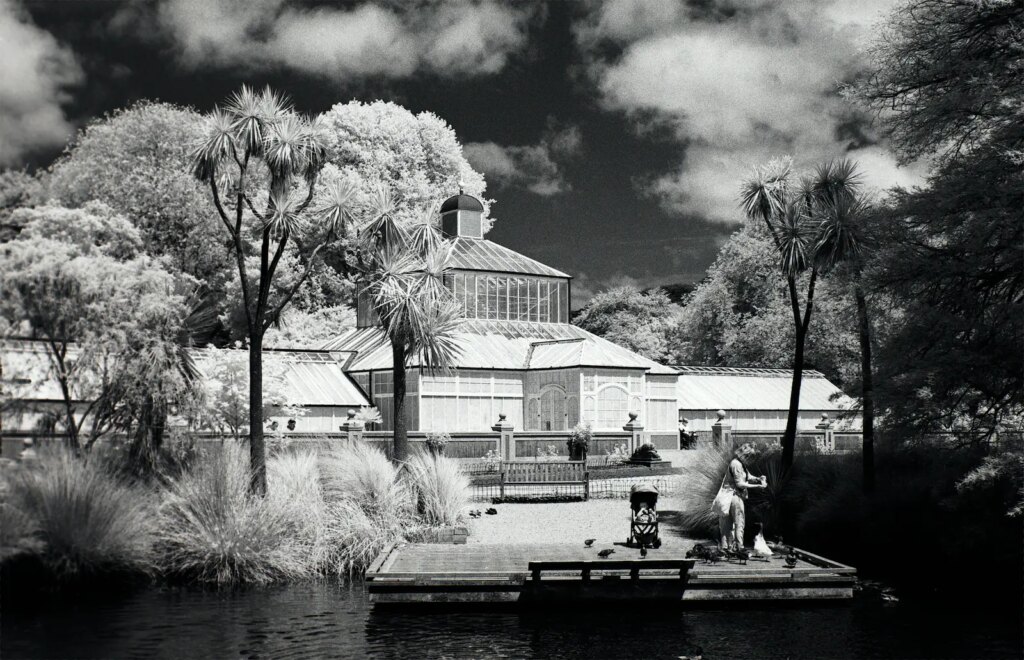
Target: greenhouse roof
[
  {"x": 311, "y": 378},
  {"x": 752, "y": 388},
  {"x": 505, "y": 345},
  {"x": 482, "y": 254}
]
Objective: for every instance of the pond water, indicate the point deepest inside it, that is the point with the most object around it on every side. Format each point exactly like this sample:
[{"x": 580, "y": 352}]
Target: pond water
[{"x": 331, "y": 620}]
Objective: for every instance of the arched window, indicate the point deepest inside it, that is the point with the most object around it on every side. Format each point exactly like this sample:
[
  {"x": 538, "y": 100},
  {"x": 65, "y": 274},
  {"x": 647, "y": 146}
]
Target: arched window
[
  {"x": 552, "y": 408},
  {"x": 612, "y": 407}
]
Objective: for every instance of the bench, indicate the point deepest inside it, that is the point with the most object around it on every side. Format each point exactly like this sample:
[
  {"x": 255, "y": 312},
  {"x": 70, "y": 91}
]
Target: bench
[
  {"x": 545, "y": 473},
  {"x": 634, "y": 566}
]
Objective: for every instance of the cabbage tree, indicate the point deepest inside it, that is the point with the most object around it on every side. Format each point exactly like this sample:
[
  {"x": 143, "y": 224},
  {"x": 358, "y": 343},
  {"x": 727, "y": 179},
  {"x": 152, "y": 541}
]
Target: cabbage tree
[
  {"x": 402, "y": 274},
  {"x": 262, "y": 162}
]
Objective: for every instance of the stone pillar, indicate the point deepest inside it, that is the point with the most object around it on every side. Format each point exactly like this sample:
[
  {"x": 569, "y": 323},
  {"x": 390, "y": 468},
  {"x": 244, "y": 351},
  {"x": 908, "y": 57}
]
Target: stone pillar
[
  {"x": 721, "y": 431},
  {"x": 636, "y": 432},
  {"x": 828, "y": 435},
  {"x": 352, "y": 428},
  {"x": 506, "y": 438}
]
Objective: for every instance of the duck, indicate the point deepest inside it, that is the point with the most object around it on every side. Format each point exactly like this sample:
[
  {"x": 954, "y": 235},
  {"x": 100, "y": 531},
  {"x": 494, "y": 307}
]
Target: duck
[
  {"x": 761, "y": 548},
  {"x": 607, "y": 552}
]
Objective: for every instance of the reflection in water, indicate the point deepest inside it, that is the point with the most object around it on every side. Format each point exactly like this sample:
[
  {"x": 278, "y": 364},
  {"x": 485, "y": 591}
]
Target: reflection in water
[{"x": 328, "y": 620}]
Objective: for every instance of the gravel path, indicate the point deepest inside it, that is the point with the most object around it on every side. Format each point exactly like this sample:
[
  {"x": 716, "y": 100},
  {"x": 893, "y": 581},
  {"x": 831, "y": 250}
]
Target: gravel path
[{"x": 570, "y": 522}]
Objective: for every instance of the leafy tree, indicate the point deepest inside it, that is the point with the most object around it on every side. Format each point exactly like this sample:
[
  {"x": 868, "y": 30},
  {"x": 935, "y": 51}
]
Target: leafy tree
[
  {"x": 403, "y": 277},
  {"x": 945, "y": 74},
  {"x": 109, "y": 323},
  {"x": 137, "y": 161},
  {"x": 794, "y": 217},
  {"x": 741, "y": 316},
  {"x": 953, "y": 256},
  {"x": 640, "y": 321},
  {"x": 259, "y": 154},
  {"x": 945, "y": 79},
  {"x": 18, "y": 189},
  {"x": 226, "y": 403},
  {"x": 416, "y": 156}
]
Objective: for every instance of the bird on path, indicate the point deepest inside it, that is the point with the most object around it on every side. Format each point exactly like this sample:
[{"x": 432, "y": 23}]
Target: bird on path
[
  {"x": 643, "y": 551},
  {"x": 604, "y": 554},
  {"x": 589, "y": 542},
  {"x": 491, "y": 511},
  {"x": 791, "y": 560}
]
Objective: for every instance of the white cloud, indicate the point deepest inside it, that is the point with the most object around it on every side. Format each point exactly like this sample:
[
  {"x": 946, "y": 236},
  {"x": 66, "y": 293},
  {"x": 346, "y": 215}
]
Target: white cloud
[
  {"x": 450, "y": 38},
  {"x": 532, "y": 167},
  {"x": 739, "y": 81},
  {"x": 36, "y": 71}
]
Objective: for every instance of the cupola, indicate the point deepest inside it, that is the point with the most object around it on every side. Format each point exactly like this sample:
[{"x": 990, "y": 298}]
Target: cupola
[{"x": 462, "y": 215}]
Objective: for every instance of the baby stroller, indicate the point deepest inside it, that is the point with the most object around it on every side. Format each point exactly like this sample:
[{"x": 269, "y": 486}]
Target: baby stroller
[{"x": 643, "y": 526}]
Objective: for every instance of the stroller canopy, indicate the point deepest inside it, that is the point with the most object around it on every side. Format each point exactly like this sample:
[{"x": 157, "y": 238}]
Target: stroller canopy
[{"x": 643, "y": 493}]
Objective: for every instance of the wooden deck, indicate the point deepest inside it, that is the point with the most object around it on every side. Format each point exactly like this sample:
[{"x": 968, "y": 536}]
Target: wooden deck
[{"x": 431, "y": 573}]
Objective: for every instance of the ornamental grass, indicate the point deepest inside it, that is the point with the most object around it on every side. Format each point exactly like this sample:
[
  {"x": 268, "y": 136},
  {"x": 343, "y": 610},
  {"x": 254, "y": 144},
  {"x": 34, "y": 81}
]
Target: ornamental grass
[{"x": 76, "y": 517}]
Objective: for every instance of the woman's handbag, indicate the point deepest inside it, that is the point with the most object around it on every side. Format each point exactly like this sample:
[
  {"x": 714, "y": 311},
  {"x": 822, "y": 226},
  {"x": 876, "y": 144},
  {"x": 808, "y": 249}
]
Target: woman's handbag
[{"x": 723, "y": 500}]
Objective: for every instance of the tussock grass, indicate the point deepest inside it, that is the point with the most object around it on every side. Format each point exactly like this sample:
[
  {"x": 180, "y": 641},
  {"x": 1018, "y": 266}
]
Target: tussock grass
[
  {"x": 366, "y": 502},
  {"x": 211, "y": 531},
  {"x": 77, "y": 517},
  {"x": 440, "y": 487},
  {"x": 698, "y": 490}
]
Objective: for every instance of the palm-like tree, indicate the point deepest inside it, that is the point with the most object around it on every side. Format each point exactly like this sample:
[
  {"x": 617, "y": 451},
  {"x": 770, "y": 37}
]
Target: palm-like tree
[
  {"x": 259, "y": 153},
  {"x": 403, "y": 271},
  {"x": 795, "y": 217},
  {"x": 841, "y": 240}
]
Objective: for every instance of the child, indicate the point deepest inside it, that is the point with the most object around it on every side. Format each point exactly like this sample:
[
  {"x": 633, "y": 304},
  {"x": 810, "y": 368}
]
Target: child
[{"x": 646, "y": 514}]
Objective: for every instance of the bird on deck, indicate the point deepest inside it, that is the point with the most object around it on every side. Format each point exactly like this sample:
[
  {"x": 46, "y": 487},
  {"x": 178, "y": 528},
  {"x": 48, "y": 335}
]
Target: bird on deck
[
  {"x": 761, "y": 549},
  {"x": 607, "y": 552},
  {"x": 643, "y": 551},
  {"x": 739, "y": 554},
  {"x": 790, "y": 560},
  {"x": 589, "y": 542},
  {"x": 491, "y": 511}
]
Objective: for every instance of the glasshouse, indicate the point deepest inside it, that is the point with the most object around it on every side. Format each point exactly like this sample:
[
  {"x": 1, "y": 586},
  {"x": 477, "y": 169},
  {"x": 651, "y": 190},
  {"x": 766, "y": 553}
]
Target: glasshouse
[{"x": 520, "y": 356}]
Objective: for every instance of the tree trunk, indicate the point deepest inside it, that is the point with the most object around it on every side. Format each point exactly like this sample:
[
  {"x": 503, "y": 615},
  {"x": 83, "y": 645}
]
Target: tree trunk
[
  {"x": 257, "y": 451},
  {"x": 867, "y": 390},
  {"x": 401, "y": 450},
  {"x": 789, "y": 437}
]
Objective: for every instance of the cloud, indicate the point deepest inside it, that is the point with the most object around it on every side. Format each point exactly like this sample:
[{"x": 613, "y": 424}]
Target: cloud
[
  {"x": 394, "y": 39},
  {"x": 531, "y": 167},
  {"x": 738, "y": 81},
  {"x": 36, "y": 71}
]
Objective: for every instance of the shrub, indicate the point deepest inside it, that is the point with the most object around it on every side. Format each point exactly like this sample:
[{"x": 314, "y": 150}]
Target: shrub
[
  {"x": 78, "y": 516},
  {"x": 211, "y": 531},
  {"x": 441, "y": 489},
  {"x": 437, "y": 441},
  {"x": 293, "y": 483},
  {"x": 618, "y": 455},
  {"x": 492, "y": 460}
]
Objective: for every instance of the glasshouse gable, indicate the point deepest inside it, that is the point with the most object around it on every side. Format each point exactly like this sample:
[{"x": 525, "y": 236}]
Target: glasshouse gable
[{"x": 520, "y": 356}]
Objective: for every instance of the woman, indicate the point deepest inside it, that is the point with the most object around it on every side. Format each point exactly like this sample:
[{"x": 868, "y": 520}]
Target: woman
[{"x": 739, "y": 480}]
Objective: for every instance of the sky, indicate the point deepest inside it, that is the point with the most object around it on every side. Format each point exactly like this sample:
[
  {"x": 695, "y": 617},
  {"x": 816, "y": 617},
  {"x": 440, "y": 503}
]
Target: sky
[{"x": 613, "y": 134}]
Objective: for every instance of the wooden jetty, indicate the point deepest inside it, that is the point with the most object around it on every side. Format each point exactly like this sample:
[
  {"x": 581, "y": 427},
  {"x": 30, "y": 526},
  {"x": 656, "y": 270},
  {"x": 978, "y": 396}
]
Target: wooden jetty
[{"x": 433, "y": 573}]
